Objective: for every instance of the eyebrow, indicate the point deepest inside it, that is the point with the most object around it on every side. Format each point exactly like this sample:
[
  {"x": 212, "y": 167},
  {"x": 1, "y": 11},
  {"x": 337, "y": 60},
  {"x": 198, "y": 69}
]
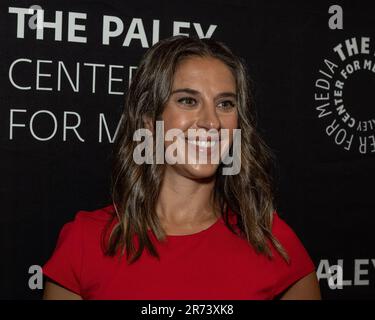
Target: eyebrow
[{"x": 195, "y": 92}]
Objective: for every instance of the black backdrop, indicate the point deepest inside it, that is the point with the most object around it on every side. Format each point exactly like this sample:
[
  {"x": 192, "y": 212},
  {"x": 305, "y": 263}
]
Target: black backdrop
[{"x": 326, "y": 164}]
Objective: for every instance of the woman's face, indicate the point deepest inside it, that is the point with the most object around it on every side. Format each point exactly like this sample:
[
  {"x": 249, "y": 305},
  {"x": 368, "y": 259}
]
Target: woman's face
[{"x": 203, "y": 97}]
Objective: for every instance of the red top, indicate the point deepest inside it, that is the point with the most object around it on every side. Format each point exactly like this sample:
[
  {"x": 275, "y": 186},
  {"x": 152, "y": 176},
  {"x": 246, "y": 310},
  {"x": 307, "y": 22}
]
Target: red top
[{"x": 211, "y": 264}]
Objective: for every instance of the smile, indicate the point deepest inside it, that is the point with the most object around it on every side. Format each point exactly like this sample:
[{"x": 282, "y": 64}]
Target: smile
[{"x": 204, "y": 144}]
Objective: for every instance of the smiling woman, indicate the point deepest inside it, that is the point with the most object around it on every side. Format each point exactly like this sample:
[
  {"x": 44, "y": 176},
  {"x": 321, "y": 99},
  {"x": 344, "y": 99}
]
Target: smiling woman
[{"x": 207, "y": 235}]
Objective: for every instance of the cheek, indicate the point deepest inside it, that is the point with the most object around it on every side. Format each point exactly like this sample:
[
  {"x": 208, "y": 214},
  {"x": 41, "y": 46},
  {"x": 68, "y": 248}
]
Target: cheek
[
  {"x": 230, "y": 123},
  {"x": 175, "y": 120},
  {"x": 175, "y": 123}
]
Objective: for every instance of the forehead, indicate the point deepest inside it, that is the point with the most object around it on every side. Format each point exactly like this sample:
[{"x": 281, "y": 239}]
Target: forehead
[{"x": 203, "y": 72}]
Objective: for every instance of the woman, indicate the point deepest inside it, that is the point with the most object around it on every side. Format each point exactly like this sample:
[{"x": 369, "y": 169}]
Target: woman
[{"x": 185, "y": 230}]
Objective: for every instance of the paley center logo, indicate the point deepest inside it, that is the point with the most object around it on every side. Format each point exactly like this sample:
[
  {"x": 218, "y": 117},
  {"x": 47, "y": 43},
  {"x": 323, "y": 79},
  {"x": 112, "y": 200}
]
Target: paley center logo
[{"x": 344, "y": 97}]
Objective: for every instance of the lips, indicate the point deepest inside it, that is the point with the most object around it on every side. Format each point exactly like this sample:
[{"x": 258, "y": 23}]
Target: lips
[{"x": 204, "y": 144}]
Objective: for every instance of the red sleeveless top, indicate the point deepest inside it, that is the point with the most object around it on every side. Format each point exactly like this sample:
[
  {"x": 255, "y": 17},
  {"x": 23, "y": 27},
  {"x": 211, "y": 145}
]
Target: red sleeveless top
[{"x": 213, "y": 264}]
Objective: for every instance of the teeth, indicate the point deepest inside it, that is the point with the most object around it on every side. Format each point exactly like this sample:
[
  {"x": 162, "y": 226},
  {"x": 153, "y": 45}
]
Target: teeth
[{"x": 205, "y": 144}]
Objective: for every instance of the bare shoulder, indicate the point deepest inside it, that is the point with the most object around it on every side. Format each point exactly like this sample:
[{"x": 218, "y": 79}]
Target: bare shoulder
[
  {"x": 307, "y": 288},
  {"x": 53, "y": 291}
]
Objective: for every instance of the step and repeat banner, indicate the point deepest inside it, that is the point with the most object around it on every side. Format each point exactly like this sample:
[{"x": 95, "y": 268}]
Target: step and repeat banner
[{"x": 62, "y": 83}]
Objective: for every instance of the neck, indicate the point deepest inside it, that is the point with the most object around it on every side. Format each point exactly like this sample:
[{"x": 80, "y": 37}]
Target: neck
[{"x": 186, "y": 201}]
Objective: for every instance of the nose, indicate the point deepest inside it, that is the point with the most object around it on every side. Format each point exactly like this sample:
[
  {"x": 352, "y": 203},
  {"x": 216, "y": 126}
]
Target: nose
[{"x": 208, "y": 117}]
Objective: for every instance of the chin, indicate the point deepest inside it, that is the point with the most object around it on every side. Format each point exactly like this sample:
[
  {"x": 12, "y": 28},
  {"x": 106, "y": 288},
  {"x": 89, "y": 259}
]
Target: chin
[{"x": 200, "y": 171}]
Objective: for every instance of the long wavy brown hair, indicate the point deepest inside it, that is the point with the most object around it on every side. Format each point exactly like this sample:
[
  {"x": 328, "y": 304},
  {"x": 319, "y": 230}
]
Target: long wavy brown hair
[{"x": 135, "y": 188}]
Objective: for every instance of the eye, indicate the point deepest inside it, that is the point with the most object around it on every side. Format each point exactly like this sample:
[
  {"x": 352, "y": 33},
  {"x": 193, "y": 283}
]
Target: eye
[
  {"x": 227, "y": 104},
  {"x": 187, "y": 100}
]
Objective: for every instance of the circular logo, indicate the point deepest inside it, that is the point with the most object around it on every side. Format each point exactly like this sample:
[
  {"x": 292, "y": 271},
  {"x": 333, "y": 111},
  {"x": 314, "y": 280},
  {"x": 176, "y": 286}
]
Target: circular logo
[{"x": 345, "y": 95}]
